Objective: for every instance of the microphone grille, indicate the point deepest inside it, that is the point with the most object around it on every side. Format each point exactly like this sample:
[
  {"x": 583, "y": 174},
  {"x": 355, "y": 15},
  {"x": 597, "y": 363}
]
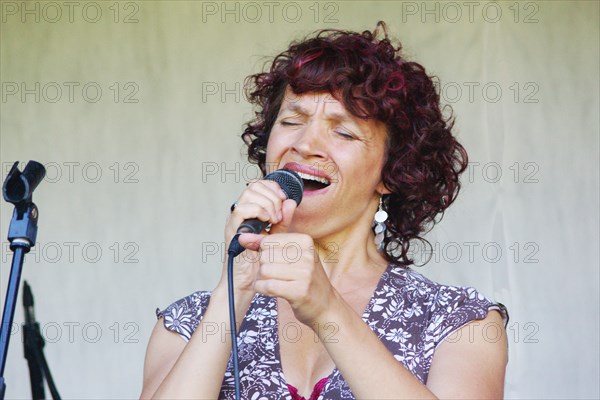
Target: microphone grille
[{"x": 290, "y": 183}]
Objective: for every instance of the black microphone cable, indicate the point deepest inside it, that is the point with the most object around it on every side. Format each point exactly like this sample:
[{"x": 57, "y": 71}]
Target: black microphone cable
[
  {"x": 293, "y": 187},
  {"x": 234, "y": 250}
]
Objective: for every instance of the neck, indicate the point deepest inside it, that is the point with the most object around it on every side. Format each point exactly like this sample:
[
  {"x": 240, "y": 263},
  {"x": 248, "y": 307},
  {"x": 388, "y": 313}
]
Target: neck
[{"x": 348, "y": 257}]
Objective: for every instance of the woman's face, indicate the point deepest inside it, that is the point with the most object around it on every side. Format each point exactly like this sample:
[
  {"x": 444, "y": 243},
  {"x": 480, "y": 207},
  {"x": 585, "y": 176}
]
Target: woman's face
[{"x": 339, "y": 157}]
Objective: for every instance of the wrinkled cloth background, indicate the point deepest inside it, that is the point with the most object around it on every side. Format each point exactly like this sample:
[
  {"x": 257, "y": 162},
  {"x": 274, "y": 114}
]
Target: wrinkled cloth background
[{"x": 136, "y": 108}]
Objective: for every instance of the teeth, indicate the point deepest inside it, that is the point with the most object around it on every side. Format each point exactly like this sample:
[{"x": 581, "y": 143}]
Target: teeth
[{"x": 313, "y": 178}]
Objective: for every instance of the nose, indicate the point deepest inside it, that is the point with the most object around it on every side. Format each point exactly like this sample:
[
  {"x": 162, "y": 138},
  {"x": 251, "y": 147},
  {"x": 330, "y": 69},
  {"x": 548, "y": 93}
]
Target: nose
[{"x": 310, "y": 142}]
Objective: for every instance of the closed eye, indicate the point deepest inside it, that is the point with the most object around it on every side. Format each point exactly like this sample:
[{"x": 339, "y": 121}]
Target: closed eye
[
  {"x": 288, "y": 123},
  {"x": 345, "y": 135}
]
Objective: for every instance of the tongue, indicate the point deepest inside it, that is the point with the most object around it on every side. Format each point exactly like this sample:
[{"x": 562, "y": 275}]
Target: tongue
[{"x": 310, "y": 185}]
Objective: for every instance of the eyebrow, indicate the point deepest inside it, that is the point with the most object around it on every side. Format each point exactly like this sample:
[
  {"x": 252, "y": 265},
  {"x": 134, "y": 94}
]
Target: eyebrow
[
  {"x": 295, "y": 106},
  {"x": 336, "y": 115}
]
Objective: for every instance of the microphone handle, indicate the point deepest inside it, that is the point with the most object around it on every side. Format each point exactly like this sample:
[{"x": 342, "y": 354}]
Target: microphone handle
[{"x": 252, "y": 226}]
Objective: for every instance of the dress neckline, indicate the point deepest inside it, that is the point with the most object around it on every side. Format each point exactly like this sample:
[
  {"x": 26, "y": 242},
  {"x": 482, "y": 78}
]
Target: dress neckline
[{"x": 335, "y": 372}]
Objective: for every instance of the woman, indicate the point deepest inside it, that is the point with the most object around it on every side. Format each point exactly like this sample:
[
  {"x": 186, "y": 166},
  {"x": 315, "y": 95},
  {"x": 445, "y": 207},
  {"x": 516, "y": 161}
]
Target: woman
[{"x": 325, "y": 301}]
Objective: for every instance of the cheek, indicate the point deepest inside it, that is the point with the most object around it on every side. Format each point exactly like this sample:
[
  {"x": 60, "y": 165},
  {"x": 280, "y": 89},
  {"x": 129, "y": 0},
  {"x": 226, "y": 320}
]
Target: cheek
[
  {"x": 367, "y": 180},
  {"x": 278, "y": 145},
  {"x": 274, "y": 148},
  {"x": 363, "y": 169}
]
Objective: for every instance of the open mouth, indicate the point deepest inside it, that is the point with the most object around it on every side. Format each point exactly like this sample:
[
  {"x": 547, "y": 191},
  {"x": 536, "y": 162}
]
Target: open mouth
[{"x": 312, "y": 183}]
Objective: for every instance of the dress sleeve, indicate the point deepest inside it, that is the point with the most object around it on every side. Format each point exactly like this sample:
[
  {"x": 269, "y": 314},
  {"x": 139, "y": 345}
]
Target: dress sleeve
[
  {"x": 184, "y": 315},
  {"x": 455, "y": 307}
]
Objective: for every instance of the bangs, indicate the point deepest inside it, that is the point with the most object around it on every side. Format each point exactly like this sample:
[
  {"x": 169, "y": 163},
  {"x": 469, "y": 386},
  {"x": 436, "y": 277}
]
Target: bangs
[{"x": 350, "y": 73}]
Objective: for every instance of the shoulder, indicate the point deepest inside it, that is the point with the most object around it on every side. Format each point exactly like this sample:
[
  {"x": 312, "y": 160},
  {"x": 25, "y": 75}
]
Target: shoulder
[
  {"x": 184, "y": 315},
  {"x": 414, "y": 316},
  {"x": 445, "y": 308}
]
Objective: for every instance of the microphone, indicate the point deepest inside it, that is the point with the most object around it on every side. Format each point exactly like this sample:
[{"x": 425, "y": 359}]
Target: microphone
[{"x": 293, "y": 187}]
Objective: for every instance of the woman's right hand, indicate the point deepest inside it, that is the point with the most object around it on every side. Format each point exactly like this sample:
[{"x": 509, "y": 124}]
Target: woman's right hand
[
  {"x": 262, "y": 199},
  {"x": 170, "y": 364}
]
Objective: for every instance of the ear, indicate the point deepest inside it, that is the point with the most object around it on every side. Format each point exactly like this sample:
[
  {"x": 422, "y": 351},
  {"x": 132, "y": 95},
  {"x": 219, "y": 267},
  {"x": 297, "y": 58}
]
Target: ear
[{"x": 381, "y": 189}]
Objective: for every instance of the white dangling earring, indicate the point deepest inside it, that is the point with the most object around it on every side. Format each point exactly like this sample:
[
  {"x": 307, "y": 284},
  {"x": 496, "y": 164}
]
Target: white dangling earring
[{"x": 379, "y": 226}]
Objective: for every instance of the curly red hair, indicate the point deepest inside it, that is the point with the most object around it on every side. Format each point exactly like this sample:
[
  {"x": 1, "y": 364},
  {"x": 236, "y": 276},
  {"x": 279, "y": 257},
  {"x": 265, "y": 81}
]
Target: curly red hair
[{"x": 373, "y": 80}]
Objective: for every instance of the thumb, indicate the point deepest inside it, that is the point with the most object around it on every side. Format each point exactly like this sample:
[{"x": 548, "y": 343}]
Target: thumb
[
  {"x": 287, "y": 209},
  {"x": 251, "y": 241}
]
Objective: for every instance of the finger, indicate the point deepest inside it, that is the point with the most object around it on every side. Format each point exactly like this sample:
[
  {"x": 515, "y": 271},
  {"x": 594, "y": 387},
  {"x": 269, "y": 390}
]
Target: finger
[
  {"x": 266, "y": 195},
  {"x": 289, "y": 249},
  {"x": 278, "y": 271},
  {"x": 275, "y": 187},
  {"x": 272, "y": 208},
  {"x": 250, "y": 241},
  {"x": 244, "y": 212},
  {"x": 250, "y": 210},
  {"x": 288, "y": 208},
  {"x": 268, "y": 188},
  {"x": 275, "y": 287}
]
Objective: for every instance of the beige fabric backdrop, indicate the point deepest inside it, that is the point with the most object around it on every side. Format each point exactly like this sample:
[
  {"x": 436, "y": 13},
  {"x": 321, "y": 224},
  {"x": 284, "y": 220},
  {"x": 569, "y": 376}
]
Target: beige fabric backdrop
[{"x": 136, "y": 108}]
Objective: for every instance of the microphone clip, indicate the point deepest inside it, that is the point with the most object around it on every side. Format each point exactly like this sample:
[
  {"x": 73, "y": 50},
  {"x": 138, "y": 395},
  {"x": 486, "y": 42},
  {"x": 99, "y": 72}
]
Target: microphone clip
[{"x": 18, "y": 189}]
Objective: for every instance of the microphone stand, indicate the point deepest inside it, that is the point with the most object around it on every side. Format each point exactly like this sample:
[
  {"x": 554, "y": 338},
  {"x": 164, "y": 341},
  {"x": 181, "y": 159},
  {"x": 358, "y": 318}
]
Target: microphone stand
[
  {"x": 18, "y": 189},
  {"x": 32, "y": 341},
  {"x": 33, "y": 344}
]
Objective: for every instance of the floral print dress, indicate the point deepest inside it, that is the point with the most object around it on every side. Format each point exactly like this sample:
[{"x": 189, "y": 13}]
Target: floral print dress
[{"x": 409, "y": 313}]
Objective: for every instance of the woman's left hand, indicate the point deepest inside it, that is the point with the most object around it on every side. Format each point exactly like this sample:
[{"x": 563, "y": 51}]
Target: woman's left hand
[{"x": 290, "y": 268}]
